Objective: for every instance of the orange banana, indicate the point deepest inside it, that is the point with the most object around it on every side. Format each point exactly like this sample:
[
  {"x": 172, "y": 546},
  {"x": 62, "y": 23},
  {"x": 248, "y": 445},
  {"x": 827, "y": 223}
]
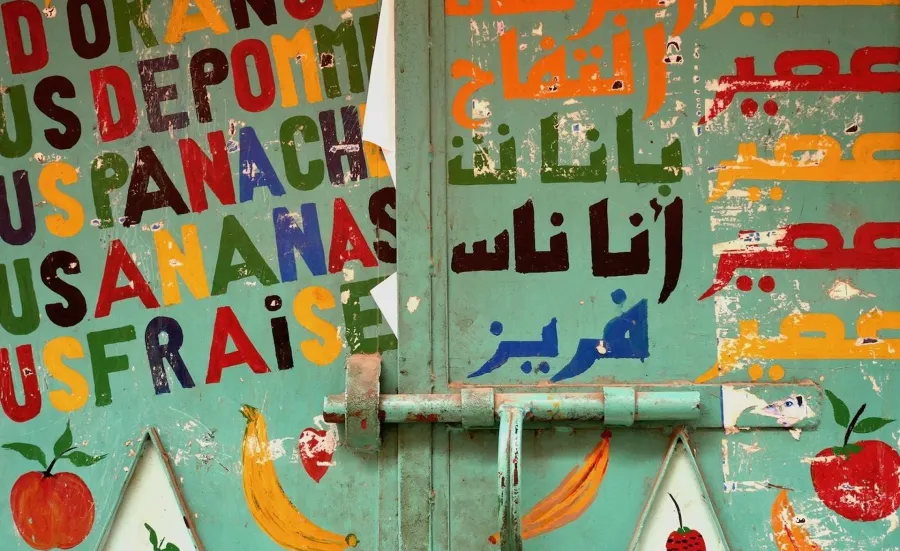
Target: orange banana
[
  {"x": 789, "y": 532},
  {"x": 571, "y": 498}
]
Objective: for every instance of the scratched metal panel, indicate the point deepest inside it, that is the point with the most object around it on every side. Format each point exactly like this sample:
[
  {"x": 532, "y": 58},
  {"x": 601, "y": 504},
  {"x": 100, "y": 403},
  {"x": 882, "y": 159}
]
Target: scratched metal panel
[
  {"x": 592, "y": 234},
  {"x": 279, "y": 323}
]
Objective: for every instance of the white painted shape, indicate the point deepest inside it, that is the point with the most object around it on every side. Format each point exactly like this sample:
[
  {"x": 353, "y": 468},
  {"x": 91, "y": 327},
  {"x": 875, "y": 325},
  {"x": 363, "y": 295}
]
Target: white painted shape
[
  {"x": 683, "y": 483},
  {"x": 149, "y": 498}
]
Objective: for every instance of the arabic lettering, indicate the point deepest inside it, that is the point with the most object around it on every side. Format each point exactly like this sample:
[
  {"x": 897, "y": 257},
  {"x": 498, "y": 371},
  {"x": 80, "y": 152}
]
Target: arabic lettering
[
  {"x": 484, "y": 169},
  {"x": 825, "y": 166},
  {"x": 722, "y": 8},
  {"x": 667, "y": 172},
  {"x": 478, "y": 78},
  {"x": 625, "y": 336},
  {"x": 552, "y": 172},
  {"x": 548, "y": 76},
  {"x": 861, "y": 78},
  {"x": 637, "y": 260},
  {"x": 604, "y": 262},
  {"x": 784, "y": 254},
  {"x": 599, "y": 9},
  {"x": 528, "y": 259},
  {"x": 809, "y": 336},
  {"x": 547, "y": 347}
]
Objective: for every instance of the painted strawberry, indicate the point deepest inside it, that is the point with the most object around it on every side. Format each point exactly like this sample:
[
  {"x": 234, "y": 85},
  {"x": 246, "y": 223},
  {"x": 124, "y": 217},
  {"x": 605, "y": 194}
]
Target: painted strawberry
[{"x": 684, "y": 539}]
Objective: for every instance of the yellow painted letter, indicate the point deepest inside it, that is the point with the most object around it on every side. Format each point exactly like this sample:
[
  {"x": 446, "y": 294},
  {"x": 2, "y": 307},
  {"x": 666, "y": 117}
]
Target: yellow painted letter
[
  {"x": 328, "y": 350},
  {"x": 285, "y": 51},
  {"x": 54, "y": 352},
  {"x": 59, "y": 225},
  {"x": 180, "y": 23},
  {"x": 188, "y": 263}
]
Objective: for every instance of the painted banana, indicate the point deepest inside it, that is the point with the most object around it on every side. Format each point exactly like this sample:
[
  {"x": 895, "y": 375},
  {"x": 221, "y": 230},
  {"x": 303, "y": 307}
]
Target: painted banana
[
  {"x": 269, "y": 505},
  {"x": 571, "y": 498},
  {"x": 789, "y": 531}
]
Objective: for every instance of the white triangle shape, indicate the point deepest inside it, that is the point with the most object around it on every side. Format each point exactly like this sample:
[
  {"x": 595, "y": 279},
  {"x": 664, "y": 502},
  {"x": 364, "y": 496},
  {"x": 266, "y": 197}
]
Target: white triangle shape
[
  {"x": 151, "y": 496},
  {"x": 679, "y": 478}
]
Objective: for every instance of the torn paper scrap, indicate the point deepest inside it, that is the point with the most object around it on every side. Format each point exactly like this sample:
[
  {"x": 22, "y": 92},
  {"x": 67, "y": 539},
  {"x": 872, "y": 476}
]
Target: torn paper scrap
[
  {"x": 385, "y": 295},
  {"x": 379, "y": 126}
]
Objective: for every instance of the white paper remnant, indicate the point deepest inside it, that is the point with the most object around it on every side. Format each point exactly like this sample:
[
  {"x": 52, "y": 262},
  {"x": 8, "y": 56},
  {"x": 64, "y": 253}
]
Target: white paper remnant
[
  {"x": 385, "y": 295},
  {"x": 379, "y": 126}
]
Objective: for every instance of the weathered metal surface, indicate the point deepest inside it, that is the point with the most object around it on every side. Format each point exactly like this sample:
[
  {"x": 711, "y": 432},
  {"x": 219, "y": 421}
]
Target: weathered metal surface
[
  {"x": 663, "y": 195},
  {"x": 361, "y": 407}
]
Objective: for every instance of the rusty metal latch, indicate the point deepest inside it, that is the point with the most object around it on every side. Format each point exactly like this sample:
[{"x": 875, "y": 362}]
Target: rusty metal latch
[{"x": 362, "y": 408}]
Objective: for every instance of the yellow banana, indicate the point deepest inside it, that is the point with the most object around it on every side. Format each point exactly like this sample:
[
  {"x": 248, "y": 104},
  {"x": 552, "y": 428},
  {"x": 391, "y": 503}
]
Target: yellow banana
[
  {"x": 789, "y": 532},
  {"x": 270, "y": 506},
  {"x": 571, "y": 498}
]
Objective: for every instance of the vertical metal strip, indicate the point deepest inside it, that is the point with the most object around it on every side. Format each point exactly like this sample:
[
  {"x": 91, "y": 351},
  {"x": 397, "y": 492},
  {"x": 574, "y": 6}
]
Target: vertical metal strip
[
  {"x": 411, "y": 32},
  {"x": 509, "y": 480},
  {"x": 515, "y": 483},
  {"x": 504, "y": 475},
  {"x": 441, "y": 523}
]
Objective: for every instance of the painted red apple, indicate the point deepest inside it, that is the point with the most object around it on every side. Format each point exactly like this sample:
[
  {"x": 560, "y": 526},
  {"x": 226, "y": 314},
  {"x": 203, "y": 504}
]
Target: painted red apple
[
  {"x": 52, "y": 510},
  {"x": 861, "y": 480},
  {"x": 316, "y": 448}
]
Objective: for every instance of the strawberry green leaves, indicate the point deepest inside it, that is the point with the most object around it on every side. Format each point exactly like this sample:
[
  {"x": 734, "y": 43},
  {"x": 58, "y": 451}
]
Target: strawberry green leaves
[
  {"x": 841, "y": 411},
  {"x": 28, "y": 451},
  {"x": 158, "y": 545},
  {"x": 62, "y": 449},
  {"x": 855, "y": 425}
]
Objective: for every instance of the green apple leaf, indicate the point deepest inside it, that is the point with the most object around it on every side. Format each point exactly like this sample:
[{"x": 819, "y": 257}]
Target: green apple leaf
[
  {"x": 846, "y": 451},
  {"x": 81, "y": 459},
  {"x": 64, "y": 442},
  {"x": 870, "y": 424},
  {"x": 28, "y": 451},
  {"x": 841, "y": 411}
]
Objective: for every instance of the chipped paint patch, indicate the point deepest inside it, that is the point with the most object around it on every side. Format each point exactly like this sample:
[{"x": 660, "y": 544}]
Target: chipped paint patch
[
  {"x": 413, "y": 304},
  {"x": 843, "y": 289}
]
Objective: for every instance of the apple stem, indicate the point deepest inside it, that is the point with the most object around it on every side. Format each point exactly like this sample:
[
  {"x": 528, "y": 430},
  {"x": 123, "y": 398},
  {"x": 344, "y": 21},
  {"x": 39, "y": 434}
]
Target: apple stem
[
  {"x": 677, "y": 510},
  {"x": 852, "y": 424},
  {"x": 55, "y": 459}
]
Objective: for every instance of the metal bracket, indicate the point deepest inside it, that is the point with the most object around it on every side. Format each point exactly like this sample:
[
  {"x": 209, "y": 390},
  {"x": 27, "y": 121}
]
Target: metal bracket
[
  {"x": 362, "y": 408},
  {"x": 361, "y": 399}
]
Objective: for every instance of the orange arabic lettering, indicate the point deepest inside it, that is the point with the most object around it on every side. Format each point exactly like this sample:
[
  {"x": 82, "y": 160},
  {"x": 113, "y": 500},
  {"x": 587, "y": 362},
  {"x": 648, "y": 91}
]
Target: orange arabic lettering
[
  {"x": 454, "y": 7},
  {"x": 599, "y": 9},
  {"x": 478, "y": 79},
  {"x": 657, "y": 75}
]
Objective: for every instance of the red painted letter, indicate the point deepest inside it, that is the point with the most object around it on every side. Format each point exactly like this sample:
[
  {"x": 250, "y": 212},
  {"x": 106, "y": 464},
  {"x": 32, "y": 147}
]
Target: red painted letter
[
  {"x": 8, "y": 399},
  {"x": 346, "y": 230},
  {"x": 118, "y": 260},
  {"x": 225, "y": 326},
  {"x": 20, "y": 61},
  {"x": 118, "y": 78}
]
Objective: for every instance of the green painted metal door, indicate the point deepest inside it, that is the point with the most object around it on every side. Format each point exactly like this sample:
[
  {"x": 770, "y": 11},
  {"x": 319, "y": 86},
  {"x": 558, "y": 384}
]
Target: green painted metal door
[{"x": 657, "y": 196}]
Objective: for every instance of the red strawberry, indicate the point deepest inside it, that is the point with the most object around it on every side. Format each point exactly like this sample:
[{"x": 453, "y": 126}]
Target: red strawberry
[
  {"x": 316, "y": 451},
  {"x": 684, "y": 539}
]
